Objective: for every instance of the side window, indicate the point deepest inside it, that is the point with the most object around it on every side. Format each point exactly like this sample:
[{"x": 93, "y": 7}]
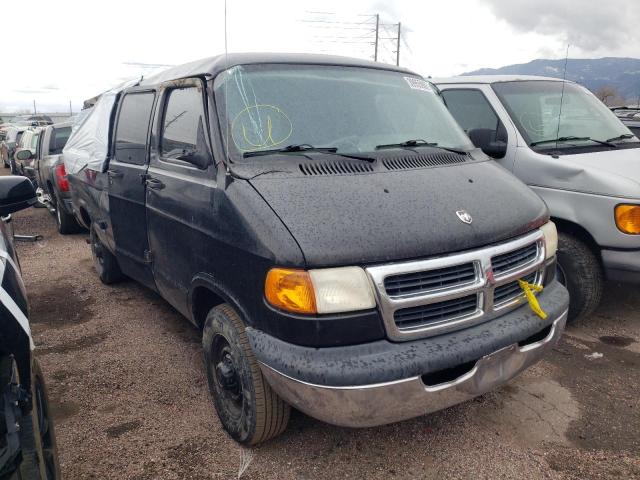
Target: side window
[
  {"x": 183, "y": 127},
  {"x": 472, "y": 111},
  {"x": 58, "y": 140},
  {"x": 133, "y": 127}
]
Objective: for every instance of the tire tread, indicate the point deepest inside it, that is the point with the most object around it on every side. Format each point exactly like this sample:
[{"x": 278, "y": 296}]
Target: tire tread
[
  {"x": 272, "y": 413},
  {"x": 585, "y": 279}
]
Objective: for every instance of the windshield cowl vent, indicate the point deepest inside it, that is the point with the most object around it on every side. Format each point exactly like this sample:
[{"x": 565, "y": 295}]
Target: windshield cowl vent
[
  {"x": 335, "y": 168},
  {"x": 423, "y": 161}
]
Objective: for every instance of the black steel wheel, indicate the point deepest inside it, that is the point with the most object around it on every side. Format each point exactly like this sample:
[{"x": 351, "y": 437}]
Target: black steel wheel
[{"x": 248, "y": 408}]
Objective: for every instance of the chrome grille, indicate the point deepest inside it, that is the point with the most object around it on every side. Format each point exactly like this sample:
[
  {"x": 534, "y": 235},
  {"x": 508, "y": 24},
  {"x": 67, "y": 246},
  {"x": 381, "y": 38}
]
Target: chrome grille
[
  {"x": 515, "y": 259},
  {"x": 507, "y": 293},
  {"x": 410, "y": 283},
  {"x": 408, "y": 318},
  {"x": 433, "y": 296}
]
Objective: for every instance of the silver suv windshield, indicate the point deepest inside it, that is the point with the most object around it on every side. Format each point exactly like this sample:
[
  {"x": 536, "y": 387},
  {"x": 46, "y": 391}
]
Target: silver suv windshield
[
  {"x": 534, "y": 107},
  {"x": 346, "y": 109}
]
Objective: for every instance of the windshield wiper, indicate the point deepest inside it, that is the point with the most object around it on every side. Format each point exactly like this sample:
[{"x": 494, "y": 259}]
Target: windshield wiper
[
  {"x": 418, "y": 142},
  {"x": 624, "y": 136},
  {"x": 303, "y": 148},
  {"x": 572, "y": 138}
]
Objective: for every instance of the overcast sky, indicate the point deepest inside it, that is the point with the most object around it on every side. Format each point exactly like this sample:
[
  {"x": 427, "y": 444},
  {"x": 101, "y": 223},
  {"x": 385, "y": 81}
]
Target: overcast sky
[{"x": 72, "y": 50}]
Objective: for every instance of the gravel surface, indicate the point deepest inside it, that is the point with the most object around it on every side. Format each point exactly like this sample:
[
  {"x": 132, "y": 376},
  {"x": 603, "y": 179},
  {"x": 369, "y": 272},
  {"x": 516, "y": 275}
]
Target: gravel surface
[{"x": 129, "y": 395}]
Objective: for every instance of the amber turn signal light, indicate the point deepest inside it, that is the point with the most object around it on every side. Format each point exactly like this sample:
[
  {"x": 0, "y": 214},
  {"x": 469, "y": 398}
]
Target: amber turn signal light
[
  {"x": 290, "y": 290},
  {"x": 628, "y": 219}
]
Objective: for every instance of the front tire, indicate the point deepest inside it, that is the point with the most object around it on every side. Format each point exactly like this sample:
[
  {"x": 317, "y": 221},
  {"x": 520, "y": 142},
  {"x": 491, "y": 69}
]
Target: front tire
[
  {"x": 104, "y": 261},
  {"x": 248, "y": 408},
  {"x": 580, "y": 271}
]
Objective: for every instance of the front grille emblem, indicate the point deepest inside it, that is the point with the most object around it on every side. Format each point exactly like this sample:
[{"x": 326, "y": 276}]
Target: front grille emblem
[{"x": 464, "y": 216}]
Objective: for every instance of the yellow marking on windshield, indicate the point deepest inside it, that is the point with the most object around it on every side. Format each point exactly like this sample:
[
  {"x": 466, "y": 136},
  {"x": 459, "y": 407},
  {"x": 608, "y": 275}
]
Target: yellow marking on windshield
[{"x": 259, "y": 127}]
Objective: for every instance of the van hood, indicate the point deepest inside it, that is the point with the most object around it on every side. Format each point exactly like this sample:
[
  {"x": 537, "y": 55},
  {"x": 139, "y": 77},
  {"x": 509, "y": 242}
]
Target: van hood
[
  {"x": 613, "y": 173},
  {"x": 381, "y": 216}
]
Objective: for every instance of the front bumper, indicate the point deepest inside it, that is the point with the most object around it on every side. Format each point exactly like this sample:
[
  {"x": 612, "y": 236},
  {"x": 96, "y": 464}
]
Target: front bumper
[
  {"x": 327, "y": 383},
  {"x": 621, "y": 265}
]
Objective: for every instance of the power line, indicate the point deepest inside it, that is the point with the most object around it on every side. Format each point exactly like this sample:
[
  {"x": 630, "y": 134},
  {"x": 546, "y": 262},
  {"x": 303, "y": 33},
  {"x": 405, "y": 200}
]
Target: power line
[{"x": 368, "y": 30}]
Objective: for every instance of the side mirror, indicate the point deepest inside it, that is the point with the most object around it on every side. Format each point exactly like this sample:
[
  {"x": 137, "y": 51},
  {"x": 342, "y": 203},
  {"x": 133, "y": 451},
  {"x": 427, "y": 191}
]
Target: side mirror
[
  {"x": 497, "y": 149},
  {"x": 16, "y": 193},
  {"x": 485, "y": 139},
  {"x": 24, "y": 155}
]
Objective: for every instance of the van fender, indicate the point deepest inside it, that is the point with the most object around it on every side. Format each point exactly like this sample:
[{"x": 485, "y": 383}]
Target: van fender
[{"x": 223, "y": 294}]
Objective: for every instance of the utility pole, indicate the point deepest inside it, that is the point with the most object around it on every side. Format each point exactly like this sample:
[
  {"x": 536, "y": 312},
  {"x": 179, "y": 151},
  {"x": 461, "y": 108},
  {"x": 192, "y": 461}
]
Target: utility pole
[
  {"x": 70, "y": 109},
  {"x": 398, "y": 46},
  {"x": 35, "y": 112},
  {"x": 375, "y": 53}
]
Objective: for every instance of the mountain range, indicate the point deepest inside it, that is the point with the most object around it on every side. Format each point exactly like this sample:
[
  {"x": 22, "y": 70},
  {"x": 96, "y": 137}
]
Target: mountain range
[{"x": 622, "y": 74}]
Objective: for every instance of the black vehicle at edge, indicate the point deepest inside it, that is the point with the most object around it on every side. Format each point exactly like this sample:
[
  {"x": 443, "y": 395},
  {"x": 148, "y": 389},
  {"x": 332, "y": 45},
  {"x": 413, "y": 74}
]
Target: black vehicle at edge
[
  {"x": 333, "y": 232},
  {"x": 28, "y": 448}
]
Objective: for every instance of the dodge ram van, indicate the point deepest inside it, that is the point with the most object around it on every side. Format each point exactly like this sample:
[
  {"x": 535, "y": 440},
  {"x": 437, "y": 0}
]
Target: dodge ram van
[
  {"x": 342, "y": 244},
  {"x": 571, "y": 150}
]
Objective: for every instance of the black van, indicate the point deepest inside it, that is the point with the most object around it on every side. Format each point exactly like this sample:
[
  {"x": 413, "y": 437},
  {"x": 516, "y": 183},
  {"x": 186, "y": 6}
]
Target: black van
[{"x": 344, "y": 247}]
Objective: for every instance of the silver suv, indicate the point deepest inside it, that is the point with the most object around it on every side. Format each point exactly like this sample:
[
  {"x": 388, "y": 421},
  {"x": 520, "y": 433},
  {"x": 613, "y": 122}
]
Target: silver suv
[{"x": 572, "y": 150}]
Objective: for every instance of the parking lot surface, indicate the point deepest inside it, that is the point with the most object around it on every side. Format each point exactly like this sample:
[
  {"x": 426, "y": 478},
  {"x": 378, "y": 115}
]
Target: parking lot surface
[{"x": 130, "y": 399}]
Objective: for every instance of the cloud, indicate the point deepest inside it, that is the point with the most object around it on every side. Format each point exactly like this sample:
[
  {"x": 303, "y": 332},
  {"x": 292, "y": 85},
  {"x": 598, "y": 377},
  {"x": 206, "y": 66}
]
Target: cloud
[
  {"x": 591, "y": 25},
  {"x": 439, "y": 38}
]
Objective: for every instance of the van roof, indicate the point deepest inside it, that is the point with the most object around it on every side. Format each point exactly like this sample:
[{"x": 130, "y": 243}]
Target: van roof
[
  {"x": 213, "y": 65},
  {"x": 488, "y": 79}
]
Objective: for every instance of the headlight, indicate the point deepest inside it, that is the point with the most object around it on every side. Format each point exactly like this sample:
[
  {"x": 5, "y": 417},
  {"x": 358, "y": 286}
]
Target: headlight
[
  {"x": 329, "y": 290},
  {"x": 550, "y": 239},
  {"x": 628, "y": 219}
]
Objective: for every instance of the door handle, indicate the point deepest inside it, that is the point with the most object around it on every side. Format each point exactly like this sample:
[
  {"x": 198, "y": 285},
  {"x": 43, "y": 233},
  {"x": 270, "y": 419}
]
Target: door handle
[
  {"x": 115, "y": 174},
  {"x": 154, "y": 183}
]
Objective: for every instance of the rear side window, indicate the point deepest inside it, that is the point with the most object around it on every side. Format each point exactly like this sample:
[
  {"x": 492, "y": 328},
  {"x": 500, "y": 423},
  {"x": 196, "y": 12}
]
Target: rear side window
[
  {"x": 133, "y": 127},
  {"x": 183, "y": 124},
  {"x": 58, "y": 140}
]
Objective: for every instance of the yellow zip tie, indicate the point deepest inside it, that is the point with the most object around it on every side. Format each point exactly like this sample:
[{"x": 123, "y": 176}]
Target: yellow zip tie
[{"x": 528, "y": 290}]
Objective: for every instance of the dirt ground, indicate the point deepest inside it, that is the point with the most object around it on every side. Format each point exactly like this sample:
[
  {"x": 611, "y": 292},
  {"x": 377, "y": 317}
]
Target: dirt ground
[{"x": 128, "y": 390}]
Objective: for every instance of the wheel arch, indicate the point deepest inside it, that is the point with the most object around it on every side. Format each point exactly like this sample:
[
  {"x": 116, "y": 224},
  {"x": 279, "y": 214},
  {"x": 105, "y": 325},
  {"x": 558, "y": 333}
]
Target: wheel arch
[
  {"x": 572, "y": 228},
  {"x": 207, "y": 293}
]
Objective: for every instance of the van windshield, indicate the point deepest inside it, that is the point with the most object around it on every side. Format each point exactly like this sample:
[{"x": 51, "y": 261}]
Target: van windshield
[
  {"x": 351, "y": 109},
  {"x": 534, "y": 107}
]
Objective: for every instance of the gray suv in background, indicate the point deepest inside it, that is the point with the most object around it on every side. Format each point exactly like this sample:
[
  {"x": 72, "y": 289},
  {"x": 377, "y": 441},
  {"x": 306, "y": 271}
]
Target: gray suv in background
[{"x": 577, "y": 155}]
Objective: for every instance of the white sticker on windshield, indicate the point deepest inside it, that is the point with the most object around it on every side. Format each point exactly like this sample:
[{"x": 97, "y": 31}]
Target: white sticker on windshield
[{"x": 419, "y": 84}]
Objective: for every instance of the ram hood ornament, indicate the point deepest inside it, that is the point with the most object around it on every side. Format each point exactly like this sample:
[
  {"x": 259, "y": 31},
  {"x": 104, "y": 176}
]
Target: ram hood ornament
[{"x": 464, "y": 216}]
